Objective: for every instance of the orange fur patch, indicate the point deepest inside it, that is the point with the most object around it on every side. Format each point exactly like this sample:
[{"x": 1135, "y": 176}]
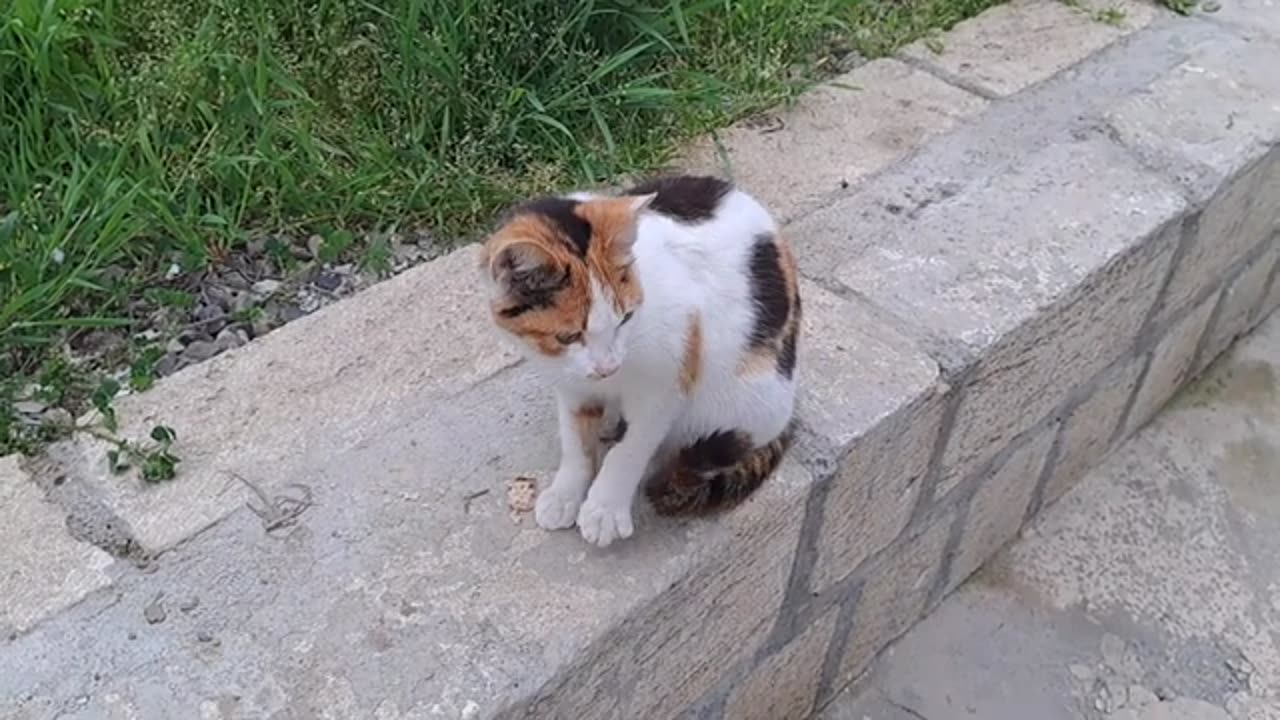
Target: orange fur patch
[
  {"x": 568, "y": 313},
  {"x": 609, "y": 257},
  {"x": 691, "y": 367}
]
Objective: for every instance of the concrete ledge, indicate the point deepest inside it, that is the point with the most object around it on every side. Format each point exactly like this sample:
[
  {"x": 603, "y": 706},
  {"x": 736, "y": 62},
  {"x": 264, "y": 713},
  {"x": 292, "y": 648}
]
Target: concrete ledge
[{"x": 997, "y": 293}]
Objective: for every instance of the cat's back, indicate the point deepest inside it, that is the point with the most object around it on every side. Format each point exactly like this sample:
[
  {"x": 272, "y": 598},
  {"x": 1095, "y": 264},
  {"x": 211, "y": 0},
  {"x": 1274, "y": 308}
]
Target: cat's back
[{"x": 707, "y": 211}]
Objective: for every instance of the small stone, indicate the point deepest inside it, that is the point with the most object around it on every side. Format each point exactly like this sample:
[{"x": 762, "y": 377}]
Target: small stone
[
  {"x": 175, "y": 345},
  {"x": 200, "y": 350},
  {"x": 132, "y": 636},
  {"x": 218, "y": 295},
  {"x": 1140, "y": 697},
  {"x": 263, "y": 288},
  {"x": 235, "y": 280},
  {"x": 1211, "y": 6},
  {"x": 308, "y": 302},
  {"x": 154, "y": 612},
  {"x": 289, "y": 312},
  {"x": 230, "y": 338},
  {"x": 1081, "y": 672},
  {"x": 167, "y": 365},
  {"x": 98, "y": 342},
  {"x": 330, "y": 281},
  {"x": 314, "y": 244},
  {"x": 211, "y": 317},
  {"x": 189, "y": 604},
  {"x": 30, "y": 407},
  {"x": 241, "y": 302},
  {"x": 204, "y": 637},
  {"x": 265, "y": 323},
  {"x": 58, "y": 416}
]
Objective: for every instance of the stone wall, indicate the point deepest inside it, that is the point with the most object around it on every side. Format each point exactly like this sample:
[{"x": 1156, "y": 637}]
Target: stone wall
[{"x": 1014, "y": 252}]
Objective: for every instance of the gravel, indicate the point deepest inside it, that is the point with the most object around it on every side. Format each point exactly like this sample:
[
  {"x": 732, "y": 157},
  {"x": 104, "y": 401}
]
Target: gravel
[{"x": 260, "y": 286}]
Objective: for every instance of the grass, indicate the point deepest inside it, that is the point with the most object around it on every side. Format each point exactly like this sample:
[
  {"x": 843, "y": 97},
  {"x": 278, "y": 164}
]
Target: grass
[{"x": 144, "y": 138}]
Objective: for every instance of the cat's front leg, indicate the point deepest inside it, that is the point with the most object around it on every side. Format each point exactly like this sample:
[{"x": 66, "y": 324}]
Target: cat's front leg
[
  {"x": 580, "y": 423},
  {"x": 606, "y": 514}
]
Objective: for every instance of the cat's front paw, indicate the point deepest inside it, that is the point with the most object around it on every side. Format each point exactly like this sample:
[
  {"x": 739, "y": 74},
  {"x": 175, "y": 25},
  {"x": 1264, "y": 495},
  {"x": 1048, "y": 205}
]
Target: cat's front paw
[
  {"x": 557, "y": 506},
  {"x": 602, "y": 522}
]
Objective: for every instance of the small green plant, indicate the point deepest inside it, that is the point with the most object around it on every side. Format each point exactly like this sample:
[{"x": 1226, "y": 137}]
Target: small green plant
[
  {"x": 1182, "y": 7},
  {"x": 1113, "y": 16},
  {"x": 156, "y": 461}
]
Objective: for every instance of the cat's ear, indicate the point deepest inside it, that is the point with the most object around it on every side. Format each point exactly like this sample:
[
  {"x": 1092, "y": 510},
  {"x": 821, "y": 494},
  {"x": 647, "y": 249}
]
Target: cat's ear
[
  {"x": 523, "y": 267},
  {"x": 640, "y": 202}
]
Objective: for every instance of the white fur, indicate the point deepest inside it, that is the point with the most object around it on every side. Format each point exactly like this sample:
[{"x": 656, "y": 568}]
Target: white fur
[{"x": 683, "y": 269}]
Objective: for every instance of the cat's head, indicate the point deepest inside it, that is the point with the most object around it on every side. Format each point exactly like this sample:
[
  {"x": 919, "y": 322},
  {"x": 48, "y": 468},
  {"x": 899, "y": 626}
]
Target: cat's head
[{"x": 562, "y": 281}]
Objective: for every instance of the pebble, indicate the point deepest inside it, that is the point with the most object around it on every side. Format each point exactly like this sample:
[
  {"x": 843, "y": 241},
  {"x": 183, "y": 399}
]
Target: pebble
[
  {"x": 200, "y": 350},
  {"x": 1140, "y": 697},
  {"x": 330, "y": 281},
  {"x": 219, "y": 295},
  {"x": 289, "y": 312},
  {"x": 58, "y": 416},
  {"x": 308, "y": 302},
  {"x": 189, "y": 604},
  {"x": 154, "y": 613},
  {"x": 230, "y": 338},
  {"x": 30, "y": 407},
  {"x": 211, "y": 317},
  {"x": 204, "y": 637},
  {"x": 264, "y": 323},
  {"x": 314, "y": 245},
  {"x": 167, "y": 365},
  {"x": 263, "y": 288}
]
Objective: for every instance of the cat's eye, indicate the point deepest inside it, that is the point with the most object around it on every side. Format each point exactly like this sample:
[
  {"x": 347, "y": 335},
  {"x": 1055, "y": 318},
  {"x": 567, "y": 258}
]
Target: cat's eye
[
  {"x": 569, "y": 338},
  {"x": 626, "y": 317}
]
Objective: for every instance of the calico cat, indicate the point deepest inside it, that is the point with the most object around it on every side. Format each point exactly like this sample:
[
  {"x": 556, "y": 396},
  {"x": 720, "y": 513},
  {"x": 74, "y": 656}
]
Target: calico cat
[{"x": 666, "y": 320}]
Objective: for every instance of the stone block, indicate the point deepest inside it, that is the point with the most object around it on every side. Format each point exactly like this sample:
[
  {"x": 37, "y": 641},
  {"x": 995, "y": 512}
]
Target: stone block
[
  {"x": 322, "y": 383},
  {"x": 1021, "y": 43},
  {"x": 1171, "y": 364},
  {"x": 999, "y": 506},
  {"x": 785, "y": 685},
  {"x": 1041, "y": 299},
  {"x": 1241, "y": 298},
  {"x": 42, "y": 568},
  {"x": 872, "y": 496},
  {"x": 875, "y": 399},
  {"x": 1087, "y": 430},
  {"x": 714, "y": 615},
  {"x": 836, "y": 134},
  {"x": 895, "y": 594},
  {"x": 1212, "y": 123}
]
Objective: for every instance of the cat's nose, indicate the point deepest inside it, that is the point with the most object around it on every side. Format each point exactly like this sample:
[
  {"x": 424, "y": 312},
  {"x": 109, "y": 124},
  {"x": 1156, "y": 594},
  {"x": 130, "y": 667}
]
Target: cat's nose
[{"x": 604, "y": 370}]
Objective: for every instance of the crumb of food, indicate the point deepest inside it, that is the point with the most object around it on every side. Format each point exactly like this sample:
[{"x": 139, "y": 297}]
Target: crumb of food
[{"x": 521, "y": 493}]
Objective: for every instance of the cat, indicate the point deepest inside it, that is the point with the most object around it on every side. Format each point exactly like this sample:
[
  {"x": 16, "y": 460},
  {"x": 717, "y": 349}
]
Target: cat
[{"x": 666, "y": 320}]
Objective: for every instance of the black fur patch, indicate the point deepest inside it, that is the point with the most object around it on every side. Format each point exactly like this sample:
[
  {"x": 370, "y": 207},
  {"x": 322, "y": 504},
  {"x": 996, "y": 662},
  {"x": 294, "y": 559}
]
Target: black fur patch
[
  {"x": 560, "y": 213},
  {"x": 616, "y": 434},
  {"x": 533, "y": 289},
  {"x": 717, "y": 451},
  {"x": 687, "y": 198},
  {"x": 787, "y": 356},
  {"x": 768, "y": 291}
]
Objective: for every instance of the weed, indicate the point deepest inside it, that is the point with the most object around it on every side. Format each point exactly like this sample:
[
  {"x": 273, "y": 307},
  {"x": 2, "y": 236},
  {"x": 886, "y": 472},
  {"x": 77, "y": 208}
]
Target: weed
[{"x": 1113, "y": 16}]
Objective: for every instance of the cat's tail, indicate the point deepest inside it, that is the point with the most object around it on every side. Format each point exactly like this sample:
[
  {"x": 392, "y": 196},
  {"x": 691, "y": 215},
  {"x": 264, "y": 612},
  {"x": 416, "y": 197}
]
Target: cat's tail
[{"x": 717, "y": 473}]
